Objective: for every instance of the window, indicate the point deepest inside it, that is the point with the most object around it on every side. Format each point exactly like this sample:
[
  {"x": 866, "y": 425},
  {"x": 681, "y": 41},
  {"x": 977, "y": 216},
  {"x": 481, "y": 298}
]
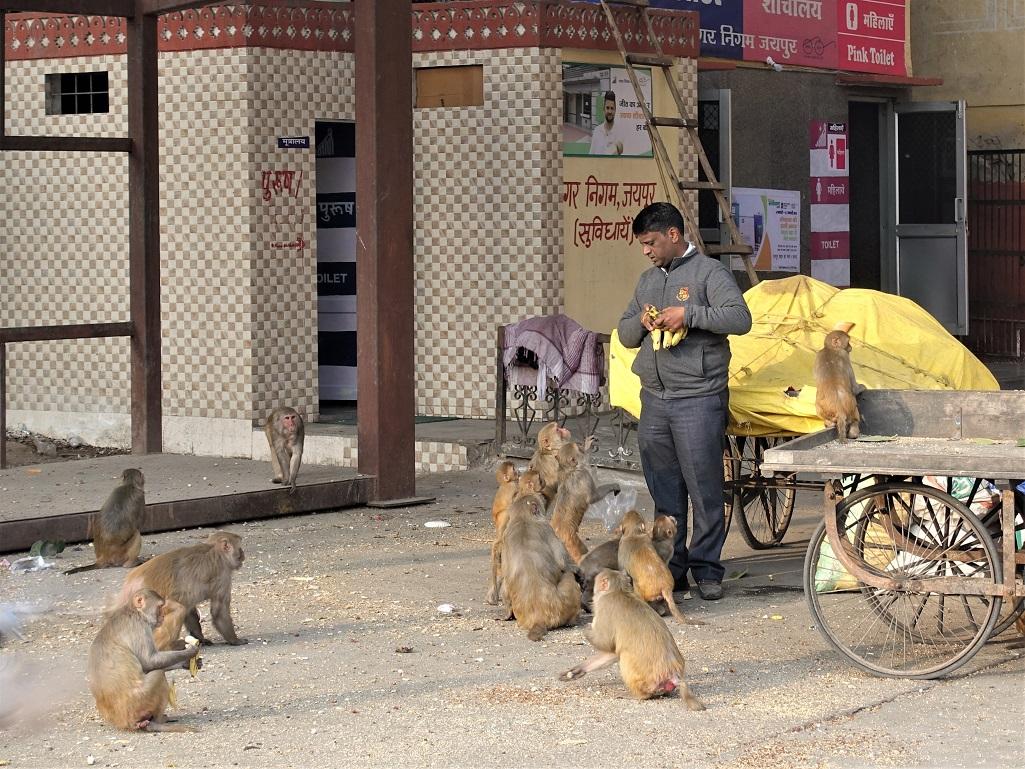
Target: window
[
  {"x": 450, "y": 86},
  {"x": 77, "y": 93}
]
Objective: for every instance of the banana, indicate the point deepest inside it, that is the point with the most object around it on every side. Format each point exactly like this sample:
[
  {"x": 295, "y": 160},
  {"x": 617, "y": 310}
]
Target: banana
[{"x": 656, "y": 339}]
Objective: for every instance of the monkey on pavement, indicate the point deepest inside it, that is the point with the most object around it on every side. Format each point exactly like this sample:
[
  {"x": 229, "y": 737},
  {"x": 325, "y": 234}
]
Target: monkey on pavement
[
  {"x": 577, "y": 491},
  {"x": 115, "y": 528},
  {"x": 285, "y": 432},
  {"x": 126, "y": 672},
  {"x": 186, "y": 577},
  {"x": 651, "y": 576},
  {"x": 538, "y": 581},
  {"x": 528, "y": 483},
  {"x": 626, "y": 629},
  {"x": 836, "y": 389}
]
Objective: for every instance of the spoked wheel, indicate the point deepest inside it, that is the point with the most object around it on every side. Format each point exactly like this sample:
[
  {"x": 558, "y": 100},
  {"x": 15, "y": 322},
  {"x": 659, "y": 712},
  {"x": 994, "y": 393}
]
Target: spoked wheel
[
  {"x": 903, "y": 531},
  {"x": 1012, "y": 609},
  {"x": 764, "y": 510},
  {"x": 730, "y": 467}
]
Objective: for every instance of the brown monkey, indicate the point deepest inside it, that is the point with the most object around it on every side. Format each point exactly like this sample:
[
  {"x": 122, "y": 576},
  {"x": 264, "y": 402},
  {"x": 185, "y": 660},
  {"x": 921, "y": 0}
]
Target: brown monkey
[
  {"x": 626, "y": 629},
  {"x": 836, "y": 401},
  {"x": 115, "y": 528},
  {"x": 577, "y": 491},
  {"x": 538, "y": 583},
  {"x": 603, "y": 556},
  {"x": 528, "y": 483},
  {"x": 507, "y": 476},
  {"x": 285, "y": 432},
  {"x": 126, "y": 672},
  {"x": 187, "y": 577},
  {"x": 651, "y": 576},
  {"x": 663, "y": 536},
  {"x": 545, "y": 459}
]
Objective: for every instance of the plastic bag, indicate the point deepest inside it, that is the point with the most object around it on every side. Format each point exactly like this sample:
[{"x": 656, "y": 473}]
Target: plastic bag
[{"x": 611, "y": 508}]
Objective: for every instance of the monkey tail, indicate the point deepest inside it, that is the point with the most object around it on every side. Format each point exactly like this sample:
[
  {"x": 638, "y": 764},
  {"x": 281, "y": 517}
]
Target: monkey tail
[
  {"x": 841, "y": 426},
  {"x": 667, "y": 596},
  {"x": 88, "y": 567}
]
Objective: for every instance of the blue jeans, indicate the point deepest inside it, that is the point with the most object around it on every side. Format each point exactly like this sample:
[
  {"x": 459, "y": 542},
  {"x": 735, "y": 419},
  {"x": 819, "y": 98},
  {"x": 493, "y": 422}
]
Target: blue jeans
[{"x": 681, "y": 445}]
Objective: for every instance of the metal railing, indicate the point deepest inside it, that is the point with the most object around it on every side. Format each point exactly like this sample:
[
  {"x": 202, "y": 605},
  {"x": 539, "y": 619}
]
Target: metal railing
[{"x": 996, "y": 252}]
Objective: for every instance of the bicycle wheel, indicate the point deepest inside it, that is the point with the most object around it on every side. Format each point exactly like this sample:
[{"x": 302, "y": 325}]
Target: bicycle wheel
[
  {"x": 764, "y": 511},
  {"x": 730, "y": 465},
  {"x": 905, "y": 633}
]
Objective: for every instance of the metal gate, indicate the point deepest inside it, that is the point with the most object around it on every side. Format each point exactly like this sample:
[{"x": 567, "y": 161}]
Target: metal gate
[{"x": 996, "y": 252}]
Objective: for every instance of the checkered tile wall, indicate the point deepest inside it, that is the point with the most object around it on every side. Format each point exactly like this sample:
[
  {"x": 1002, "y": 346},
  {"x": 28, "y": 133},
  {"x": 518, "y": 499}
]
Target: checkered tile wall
[
  {"x": 64, "y": 246},
  {"x": 488, "y": 239}
]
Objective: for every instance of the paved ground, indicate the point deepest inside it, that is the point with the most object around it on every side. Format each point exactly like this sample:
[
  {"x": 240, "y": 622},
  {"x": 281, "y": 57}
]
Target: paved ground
[{"x": 328, "y": 600}]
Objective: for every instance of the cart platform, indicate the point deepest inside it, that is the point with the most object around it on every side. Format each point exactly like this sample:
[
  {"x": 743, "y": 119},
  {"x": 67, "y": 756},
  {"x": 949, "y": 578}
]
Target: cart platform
[{"x": 935, "y": 432}]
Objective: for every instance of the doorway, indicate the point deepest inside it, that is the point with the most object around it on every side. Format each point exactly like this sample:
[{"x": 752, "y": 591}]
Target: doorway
[
  {"x": 336, "y": 269},
  {"x": 866, "y": 194}
]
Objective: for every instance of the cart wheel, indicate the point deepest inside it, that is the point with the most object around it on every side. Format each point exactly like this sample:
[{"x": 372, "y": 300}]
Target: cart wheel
[
  {"x": 1009, "y": 612},
  {"x": 730, "y": 468},
  {"x": 764, "y": 511},
  {"x": 903, "y": 633}
]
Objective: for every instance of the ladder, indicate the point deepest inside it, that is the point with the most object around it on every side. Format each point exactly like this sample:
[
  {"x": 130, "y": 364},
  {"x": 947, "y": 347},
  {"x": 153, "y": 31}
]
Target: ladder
[{"x": 689, "y": 133}]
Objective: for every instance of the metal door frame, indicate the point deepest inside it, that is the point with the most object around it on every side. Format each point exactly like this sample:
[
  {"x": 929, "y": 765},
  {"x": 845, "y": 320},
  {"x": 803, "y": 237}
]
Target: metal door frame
[
  {"x": 725, "y": 170},
  {"x": 893, "y": 227}
]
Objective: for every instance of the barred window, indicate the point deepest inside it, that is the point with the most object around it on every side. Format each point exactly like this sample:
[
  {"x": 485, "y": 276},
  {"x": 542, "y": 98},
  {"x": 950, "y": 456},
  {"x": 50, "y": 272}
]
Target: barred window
[{"x": 77, "y": 93}]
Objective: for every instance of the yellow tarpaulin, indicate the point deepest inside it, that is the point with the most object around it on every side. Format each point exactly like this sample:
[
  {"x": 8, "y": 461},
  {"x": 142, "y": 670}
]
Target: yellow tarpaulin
[{"x": 897, "y": 346}]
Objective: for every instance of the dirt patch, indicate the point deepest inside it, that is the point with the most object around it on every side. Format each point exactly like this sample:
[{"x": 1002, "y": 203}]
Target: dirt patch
[{"x": 31, "y": 449}]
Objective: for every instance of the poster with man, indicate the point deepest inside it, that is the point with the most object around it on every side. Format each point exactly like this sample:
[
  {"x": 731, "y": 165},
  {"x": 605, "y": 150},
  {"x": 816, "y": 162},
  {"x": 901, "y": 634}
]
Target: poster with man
[{"x": 601, "y": 115}]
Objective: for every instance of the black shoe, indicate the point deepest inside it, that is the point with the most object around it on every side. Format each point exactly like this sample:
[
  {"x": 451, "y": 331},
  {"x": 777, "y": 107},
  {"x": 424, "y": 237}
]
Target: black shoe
[
  {"x": 681, "y": 589},
  {"x": 710, "y": 591}
]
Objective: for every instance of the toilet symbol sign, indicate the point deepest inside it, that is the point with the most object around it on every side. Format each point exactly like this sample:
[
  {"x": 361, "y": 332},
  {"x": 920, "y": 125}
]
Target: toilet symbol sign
[{"x": 837, "y": 144}]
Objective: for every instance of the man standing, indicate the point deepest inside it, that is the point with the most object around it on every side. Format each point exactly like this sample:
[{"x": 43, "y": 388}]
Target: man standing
[
  {"x": 684, "y": 395},
  {"x": 607, "y": 137}
]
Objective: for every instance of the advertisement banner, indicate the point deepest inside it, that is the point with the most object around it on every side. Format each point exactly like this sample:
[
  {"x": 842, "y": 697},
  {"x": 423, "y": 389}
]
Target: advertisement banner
[
  {"x": 601, "y": 115},
  {"x": 770, "y": 222}
]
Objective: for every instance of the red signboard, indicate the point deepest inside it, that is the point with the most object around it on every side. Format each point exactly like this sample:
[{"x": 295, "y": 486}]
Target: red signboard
[{"x": 870, "y": 36}]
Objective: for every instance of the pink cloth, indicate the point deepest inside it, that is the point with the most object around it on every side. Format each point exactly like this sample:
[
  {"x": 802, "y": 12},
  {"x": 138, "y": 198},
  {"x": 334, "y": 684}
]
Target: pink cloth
[{"x": 566, "y": 352}]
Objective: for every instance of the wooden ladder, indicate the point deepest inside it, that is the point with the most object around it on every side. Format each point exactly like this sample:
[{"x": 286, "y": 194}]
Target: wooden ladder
[{"x": 689, "y": 126}]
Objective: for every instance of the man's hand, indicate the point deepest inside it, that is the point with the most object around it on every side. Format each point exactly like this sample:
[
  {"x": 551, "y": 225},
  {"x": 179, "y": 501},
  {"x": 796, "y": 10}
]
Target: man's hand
[
  {"x": 646, "y": 317},
  {"x": 671, "y": 319}
]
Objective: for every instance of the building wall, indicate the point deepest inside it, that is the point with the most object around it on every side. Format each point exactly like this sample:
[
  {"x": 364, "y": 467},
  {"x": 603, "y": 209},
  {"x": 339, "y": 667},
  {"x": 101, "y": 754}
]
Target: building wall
[
  {"x": 769, "y": 144},
  {"x": 239, "y": 303},
  {"x": 64, "y": 241},
  {"x": 976, "y": 47},
  {"x": 488, "y": 239}
]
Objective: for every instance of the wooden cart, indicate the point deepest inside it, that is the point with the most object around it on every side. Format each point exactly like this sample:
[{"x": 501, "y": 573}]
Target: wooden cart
[{"x": 914, "y": 568}]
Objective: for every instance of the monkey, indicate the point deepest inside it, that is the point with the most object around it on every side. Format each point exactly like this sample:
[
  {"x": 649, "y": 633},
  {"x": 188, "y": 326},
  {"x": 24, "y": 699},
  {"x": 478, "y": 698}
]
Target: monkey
[
  {"x": 115, "y": 528},
  {"x": 836, "y": 401},
  {"x": 577, "y": 491},
  {"x": 187, "y": 577},
  {"x": 126, "y": 672},
  {"x": 663, "y": 536},
  {"x": 285, "y": 433},
  {"x": 545, "y": 461},
  {"x": 538, "y": 581},
  {"x": 651, "y": 576},
  {"x": 627, "y": 629},
  {"x": 528, "y": 483},
  {"x": 506, "y": 475},
  {"x": 599, "y": 557}
]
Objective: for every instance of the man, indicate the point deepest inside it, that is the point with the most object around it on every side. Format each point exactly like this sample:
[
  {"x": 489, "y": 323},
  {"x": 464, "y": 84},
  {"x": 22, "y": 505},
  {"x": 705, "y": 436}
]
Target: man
[
  {"x": 684, "y": 395},
  {"x": 607, "y": 137}
]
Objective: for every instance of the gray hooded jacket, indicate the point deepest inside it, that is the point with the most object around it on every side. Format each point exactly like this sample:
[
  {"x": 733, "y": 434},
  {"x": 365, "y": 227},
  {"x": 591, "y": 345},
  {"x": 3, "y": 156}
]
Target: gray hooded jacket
[{"x": 715, "y": 307}]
